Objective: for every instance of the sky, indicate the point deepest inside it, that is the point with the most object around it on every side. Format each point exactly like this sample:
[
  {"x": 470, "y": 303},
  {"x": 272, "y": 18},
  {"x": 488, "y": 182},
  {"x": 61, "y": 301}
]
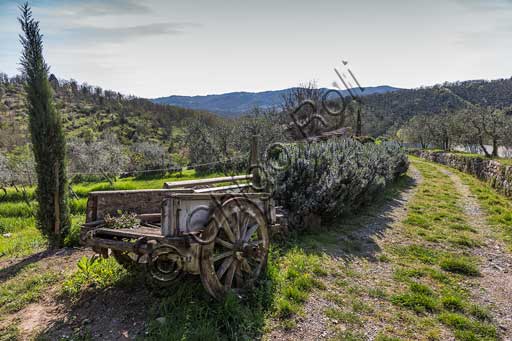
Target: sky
[{"x": 158, "y": 48}]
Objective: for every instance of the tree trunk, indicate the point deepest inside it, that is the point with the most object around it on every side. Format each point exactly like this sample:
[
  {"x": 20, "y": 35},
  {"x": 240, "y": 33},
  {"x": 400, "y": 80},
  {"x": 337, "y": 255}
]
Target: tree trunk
[
  {"x": 359, "y": 124},
  {"x": 481, "y": 143},
  {"x": 495, "y": 147}
]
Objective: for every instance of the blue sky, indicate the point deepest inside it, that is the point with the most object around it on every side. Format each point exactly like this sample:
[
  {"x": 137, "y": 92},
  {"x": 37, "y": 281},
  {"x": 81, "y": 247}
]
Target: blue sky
[{"x": 158, "y": 48}]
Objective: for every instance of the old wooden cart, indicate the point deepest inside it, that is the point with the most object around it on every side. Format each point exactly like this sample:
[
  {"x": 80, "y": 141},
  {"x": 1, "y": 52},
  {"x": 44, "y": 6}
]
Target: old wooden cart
[{"x": 220, "y": 233}]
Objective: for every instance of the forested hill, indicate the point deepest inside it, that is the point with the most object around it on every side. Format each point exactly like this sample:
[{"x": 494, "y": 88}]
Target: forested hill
[
  {"x": 391, "y": 109},
  {"x": 234, "y": 104},
  {"x": 89, "y": 112}
]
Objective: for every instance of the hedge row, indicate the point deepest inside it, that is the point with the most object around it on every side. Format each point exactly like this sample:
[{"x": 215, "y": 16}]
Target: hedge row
[
  {"x": 330, "y": 178},
  {"x": 499, "y": 176}
]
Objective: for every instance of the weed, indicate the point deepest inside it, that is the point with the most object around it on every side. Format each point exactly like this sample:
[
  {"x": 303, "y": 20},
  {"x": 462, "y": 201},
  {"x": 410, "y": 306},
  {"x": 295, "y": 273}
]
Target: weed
[
  {"x": 423, "y": 254},
  {"x": 383, "y": 258},
  {"x": 285, "y": 308},
  {"x": 359, "y": 306},
  {"x": 467, "y": 329},
  {"x": 459, "y": 264},
  {"x": 343, "y": 316},
  {"x": 377, "y": 293},
  {"x": 479, "y": 312},
  {"x": 452, "y": 303},
  {"x": 463, "y": 241},
  {"x": 190, "y": 314},
  {"x": 382, "y": 337},
  {"x": 422, "y": 289},
  {"x": 349, "y": 336},
  {"x": 100, "y": 272},
  {"x": 418, "y": 302}
]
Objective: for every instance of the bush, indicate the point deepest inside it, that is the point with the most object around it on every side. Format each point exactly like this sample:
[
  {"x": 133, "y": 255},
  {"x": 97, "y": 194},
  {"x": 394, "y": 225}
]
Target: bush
[
  {"x": 123, "y": 221},
  {"x": 332, "y": 177}
]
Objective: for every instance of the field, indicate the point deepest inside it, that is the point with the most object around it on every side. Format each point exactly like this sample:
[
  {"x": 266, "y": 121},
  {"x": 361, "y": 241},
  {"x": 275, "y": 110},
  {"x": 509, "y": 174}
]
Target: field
[
  {"x": 429, "y": 259},
  {"x": 17, "y": 208}
]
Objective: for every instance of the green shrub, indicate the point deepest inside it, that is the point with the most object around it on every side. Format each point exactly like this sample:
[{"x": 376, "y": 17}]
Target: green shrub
[
  {"x": 123, "y": 221},
  {"x": 329, "y": 178},
  {"x": 93, "y": 271}
]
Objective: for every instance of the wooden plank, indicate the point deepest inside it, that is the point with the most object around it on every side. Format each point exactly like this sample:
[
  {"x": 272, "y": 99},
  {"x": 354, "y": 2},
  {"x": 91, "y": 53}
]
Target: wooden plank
[
  {"x": 222, "y": 188},
  {"x": 129, "y": 233},
  {"x": 112, "y": 244},
  {"x": 219, "y": 196},
  {"x": 141, "y": 202},
  {"x": 150, "y": 217},
  {"x": 90, "y": 215},
  {"x": 130, "y": 192},
  {"x": 202, "y": 182}
]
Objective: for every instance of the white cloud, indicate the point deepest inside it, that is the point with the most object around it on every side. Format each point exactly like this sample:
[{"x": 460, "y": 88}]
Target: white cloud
[{"x": 88, "y": 34}]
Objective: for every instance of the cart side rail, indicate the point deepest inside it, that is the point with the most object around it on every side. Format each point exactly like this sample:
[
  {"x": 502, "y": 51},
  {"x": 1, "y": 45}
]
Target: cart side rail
[
  {"x": 203, "y": 182},
  {"x": 137, "y": 201}
]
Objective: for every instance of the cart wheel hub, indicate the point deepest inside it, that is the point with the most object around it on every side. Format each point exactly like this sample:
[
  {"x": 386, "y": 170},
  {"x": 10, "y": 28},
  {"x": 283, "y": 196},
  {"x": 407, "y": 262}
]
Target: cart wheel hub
[
  {"x": 252, "y": 251},
  {"x": 239, "y": 255}
]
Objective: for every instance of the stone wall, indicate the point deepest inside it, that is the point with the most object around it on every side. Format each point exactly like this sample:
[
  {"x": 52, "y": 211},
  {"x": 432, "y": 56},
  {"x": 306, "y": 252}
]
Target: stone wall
[{"x": 493, "y": 172}]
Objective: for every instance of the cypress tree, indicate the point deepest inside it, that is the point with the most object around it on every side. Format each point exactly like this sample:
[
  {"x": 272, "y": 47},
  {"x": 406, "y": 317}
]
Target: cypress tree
[{"x": 46, "y": 132}]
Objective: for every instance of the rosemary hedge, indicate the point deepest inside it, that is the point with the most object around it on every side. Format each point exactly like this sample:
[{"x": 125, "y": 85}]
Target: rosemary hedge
[{"x": 332, "y": 177}]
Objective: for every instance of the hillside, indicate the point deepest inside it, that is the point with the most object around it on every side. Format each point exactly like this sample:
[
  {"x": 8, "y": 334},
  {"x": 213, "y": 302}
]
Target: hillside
[
  {"x": 394, "y": 108},
  {"x": 90, "y": 112},
  {"x": 234, "y": 104}
]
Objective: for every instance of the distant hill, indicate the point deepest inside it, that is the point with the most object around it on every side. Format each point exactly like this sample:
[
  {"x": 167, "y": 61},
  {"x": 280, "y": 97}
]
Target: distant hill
[
  {"x": 89, "y": 112},
  {"x": 234, "y": 104},
  {"x": 393, "y": 109}
]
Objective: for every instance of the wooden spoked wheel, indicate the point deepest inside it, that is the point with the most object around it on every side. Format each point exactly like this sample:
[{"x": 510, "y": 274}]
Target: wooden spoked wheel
[{"x": 239, "y": 253}]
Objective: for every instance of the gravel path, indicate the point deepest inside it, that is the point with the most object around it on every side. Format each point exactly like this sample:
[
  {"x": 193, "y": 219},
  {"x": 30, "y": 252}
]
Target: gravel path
[
  {"x": 495, "y": 284},
  {"x": 369, "y": 231}
]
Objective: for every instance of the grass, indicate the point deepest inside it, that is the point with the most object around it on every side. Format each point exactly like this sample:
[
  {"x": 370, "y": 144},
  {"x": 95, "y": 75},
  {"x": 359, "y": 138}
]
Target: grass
[
  {"x": 419, "y": 298},
  {"x": 435, "y": 232},
  {"x": 201, "y": 319},
  {"x": 432, "y": 263},
  {"x": 23, "y": 242},
  {"x": 190, "y": 313},
  {"x": 25, "y": 288},
  {"x": 292, "y": 274},
  {"x": 497, "y": 207},
  {"x": 343, "y": 316},
  {"x": 10, "y": 332},
  {"x": 16, "y": 216},
  {"x": 414, "y": 251},
  {"x": 93, "y": 272},
  {"x": 295, "y": 275},
  {"x": 468, "y": 329},
  {"x": 460, "y": 265},
  {"x": 426, "y": 294}
]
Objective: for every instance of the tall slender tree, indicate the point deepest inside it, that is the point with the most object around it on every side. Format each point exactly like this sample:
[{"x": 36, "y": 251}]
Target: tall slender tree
[{"x": 47, "y": 136}]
